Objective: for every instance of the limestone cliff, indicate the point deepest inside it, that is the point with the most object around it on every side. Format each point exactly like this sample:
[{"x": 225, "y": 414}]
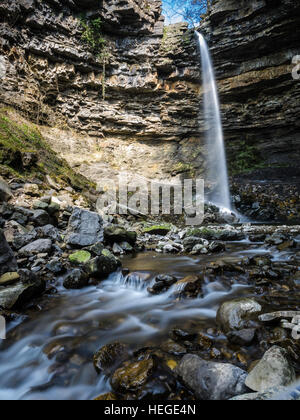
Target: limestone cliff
[{"x": 137, "y": 113}]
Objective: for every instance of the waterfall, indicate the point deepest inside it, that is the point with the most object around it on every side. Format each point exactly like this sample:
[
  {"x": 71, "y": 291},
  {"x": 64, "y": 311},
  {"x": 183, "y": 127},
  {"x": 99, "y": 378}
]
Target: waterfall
[{"x": 217, "y": 174}]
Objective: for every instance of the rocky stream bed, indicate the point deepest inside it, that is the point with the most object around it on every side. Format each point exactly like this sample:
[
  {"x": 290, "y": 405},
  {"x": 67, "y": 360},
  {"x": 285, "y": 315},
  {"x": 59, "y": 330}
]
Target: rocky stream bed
[{"x": 120, "y": 308}]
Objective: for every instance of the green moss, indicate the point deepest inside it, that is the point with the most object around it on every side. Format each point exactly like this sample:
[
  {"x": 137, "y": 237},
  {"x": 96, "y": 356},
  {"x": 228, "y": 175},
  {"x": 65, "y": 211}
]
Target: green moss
[
  {"x": 158, "y": 229},
  {"x": 205, "y": 233},
  {"x": 80, "y": 257},
  {"x": 18, "y": 138}
]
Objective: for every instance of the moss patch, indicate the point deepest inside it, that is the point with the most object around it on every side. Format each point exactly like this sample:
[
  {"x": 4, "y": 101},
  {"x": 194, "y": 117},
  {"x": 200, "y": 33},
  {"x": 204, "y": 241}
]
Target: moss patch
[
  {"x": 158, "y": 229},
  {"x": 80, "y": 257},
  {"x": 18, "y": 138}
]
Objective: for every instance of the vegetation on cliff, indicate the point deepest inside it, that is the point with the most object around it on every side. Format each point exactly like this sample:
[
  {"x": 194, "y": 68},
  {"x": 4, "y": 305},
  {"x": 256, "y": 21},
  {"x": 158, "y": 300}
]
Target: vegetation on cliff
[{"x": 25, "y": 153}]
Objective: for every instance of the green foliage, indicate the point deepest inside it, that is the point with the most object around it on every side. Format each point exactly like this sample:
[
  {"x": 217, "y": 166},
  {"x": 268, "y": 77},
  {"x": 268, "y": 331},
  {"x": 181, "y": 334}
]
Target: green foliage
[
  {"x": 245, "y": 159},
  {"x": 92, "y": 34},
  {"x": 18, "y": 138}
]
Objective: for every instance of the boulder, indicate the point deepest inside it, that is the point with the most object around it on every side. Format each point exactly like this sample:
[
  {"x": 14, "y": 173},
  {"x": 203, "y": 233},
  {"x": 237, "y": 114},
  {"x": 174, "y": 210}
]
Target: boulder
[
  {"x": 236, "y": 314},
  {"x": 211, "y": 381},
  {"x": 76, "y": 279},
  {"x": 109, "y": 356},
  {"x": 85, "y": 228},
  {"x": 161, "y": 230},
  {"x": 273, "y": 370},
  {"x": 80, "y": 257},
  {"x": 117, "y": 234},
  {"x": 8, "y": 262},
  {"x": 41, "y": 246},
  {"x": 132, "y": 376},
  {"x": 103, "y": 265}
]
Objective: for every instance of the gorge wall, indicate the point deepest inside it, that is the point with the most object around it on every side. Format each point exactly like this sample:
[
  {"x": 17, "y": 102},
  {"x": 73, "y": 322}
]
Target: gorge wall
[
  {"x": 147, "y": 121},
  {"x": 141, "y": 112}
]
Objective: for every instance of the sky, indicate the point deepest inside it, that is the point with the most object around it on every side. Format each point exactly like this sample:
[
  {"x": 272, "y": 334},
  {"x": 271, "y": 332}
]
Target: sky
[{"x": 170, "y": 16}]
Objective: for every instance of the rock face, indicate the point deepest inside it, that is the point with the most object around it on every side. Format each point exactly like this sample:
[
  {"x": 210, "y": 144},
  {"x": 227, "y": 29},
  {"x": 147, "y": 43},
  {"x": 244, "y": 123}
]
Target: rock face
[
  {"x": 151, "y": 84},
  {"x": 252, "y": 46},
  {"x": 135, "y": 105},
  {"x": 8, "y": 262},
  {"x": 212, "y": 381}
]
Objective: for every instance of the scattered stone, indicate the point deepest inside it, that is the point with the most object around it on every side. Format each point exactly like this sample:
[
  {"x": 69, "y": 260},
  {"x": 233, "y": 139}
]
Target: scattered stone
[
  {"x": 55, "y": 266},
  {"x": 211, "y": 381},
  {"x": 242, "y": 338},
  {"x": 85, "y": 228},
  {"x": 37, "y": 247},
  {"x": 5, "y": 191},
  {"x": 272, "y": 371},
  {"x": 8, "y": 263},
  {"x": 40, "y": 218}
]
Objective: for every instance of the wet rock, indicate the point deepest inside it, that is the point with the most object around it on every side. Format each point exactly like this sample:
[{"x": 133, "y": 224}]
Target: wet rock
[
  {"x": 8, "y": 262},
  {"x": 236, "y": 314},
  {"x": 216, "y": 247},
  {"x": 96, "y": 249},
  {"x": 76, "y": 279},
  {"x": 211, "y": 381},
  {"x": 132, "y": 376},
  {"x": 80, "y": 257},
  {"x": 162, "y": 284},
  {"x": 191, "y": 242},
  {"x": 40, "y": 218},
  {"x": 190, "y": 286},
  {"x": 106, "y": 359},
  {"x": 126, "y": 247},
  {"x": 273, "y": 394},
  {"x": 103, "y": 265},
  {"x": 242, "y": 338},
  {"x": 180, "y": 335},
  {"x": 18, "y": 294},
  {"x": 85, "y": 228},
  {"x": 117, "y": 249},
  {"x": 118, "y": 234},
  {"x": 40, "y": 246},
  {"x": 272, "y": 371},
  {"x": 174, "y": 348}
]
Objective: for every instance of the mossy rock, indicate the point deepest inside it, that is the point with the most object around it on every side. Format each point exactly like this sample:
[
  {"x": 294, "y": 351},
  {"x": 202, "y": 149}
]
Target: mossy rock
[
  {"x": 80, "y": 257},
  {"x": 20, "y": 138},
  {"x": 117, "y": 234},
  {"x": 9, "y": 278},
  {"x": 158, "y": 230}
]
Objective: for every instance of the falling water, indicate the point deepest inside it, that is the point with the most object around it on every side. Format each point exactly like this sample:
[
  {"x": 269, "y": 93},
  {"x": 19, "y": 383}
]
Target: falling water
[{"x": 217, "y": 168}]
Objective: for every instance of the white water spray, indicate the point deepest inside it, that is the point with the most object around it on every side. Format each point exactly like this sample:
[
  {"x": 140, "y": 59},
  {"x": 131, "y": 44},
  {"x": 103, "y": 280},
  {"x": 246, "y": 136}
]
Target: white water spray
[{"x": 217, "y": 168}]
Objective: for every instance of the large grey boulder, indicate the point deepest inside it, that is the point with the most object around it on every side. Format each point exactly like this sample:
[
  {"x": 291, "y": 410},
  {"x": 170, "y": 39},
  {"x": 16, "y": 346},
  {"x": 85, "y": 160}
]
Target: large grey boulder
[
  {"x": 211, "y": 381},
  {"x": 8, "y": 262},
  {"x": 274, "y": 370},
  {"x": 85, "y": 228},
  {"x": 41, "y": 246},
  {"x": 235, "y": 314}
]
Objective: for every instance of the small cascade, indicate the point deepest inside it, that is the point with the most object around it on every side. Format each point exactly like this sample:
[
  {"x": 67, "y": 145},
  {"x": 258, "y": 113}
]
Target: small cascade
[{"x": 217, "y": 174}]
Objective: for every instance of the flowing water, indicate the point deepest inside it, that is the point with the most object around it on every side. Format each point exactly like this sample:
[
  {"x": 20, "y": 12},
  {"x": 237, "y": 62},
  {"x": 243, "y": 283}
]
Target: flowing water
[
  {"x": 49, "y": 354},
  {"x": 216, "y": 159}
]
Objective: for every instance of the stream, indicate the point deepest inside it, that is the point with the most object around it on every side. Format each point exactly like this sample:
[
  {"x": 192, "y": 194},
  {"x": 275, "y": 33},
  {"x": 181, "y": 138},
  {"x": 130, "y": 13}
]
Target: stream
[{"x": 49, "y": 354}]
